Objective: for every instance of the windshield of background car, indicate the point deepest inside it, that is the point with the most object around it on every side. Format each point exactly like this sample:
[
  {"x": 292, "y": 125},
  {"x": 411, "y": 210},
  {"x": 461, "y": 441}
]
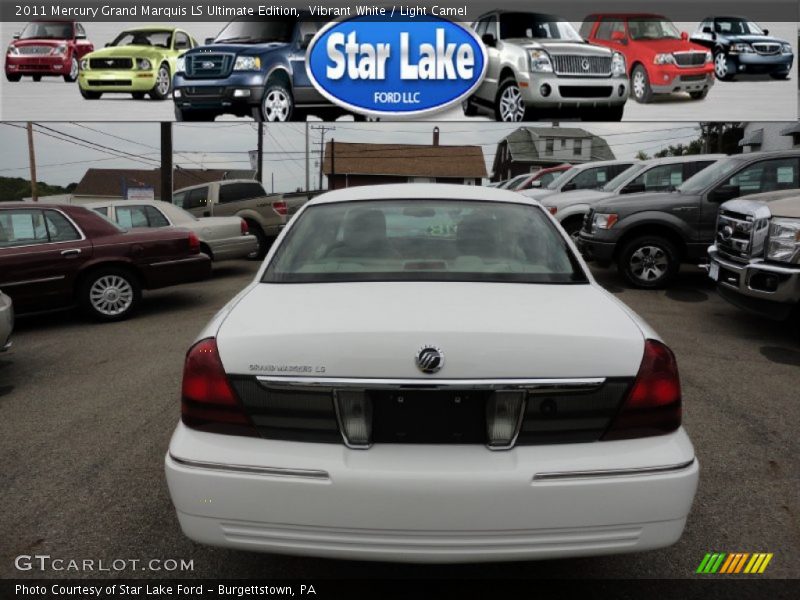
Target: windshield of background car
[
  {"x": 44, "y": 30},
  {"x": 736, "y": 27},
  {"x": 157, "y": 39},
  {"x": 256, "y": 32},
  {"x": 709, "y": 175},
  {"x": 423, "y": 240},
  {"x": 653, "y": 29},
  {"x": 536, "y": 27},
  {"x": 563, "y": 178},
  {"x": 620, "y": 179}
]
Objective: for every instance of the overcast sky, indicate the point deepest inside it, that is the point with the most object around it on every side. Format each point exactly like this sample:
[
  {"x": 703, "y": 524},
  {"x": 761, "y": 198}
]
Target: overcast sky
[{"x": 225, "y": 145}]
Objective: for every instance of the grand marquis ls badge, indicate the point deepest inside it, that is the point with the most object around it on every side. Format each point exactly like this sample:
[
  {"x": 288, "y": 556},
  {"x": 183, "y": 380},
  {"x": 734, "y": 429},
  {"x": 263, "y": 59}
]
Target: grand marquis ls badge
[{"x": 430, "y": 359}]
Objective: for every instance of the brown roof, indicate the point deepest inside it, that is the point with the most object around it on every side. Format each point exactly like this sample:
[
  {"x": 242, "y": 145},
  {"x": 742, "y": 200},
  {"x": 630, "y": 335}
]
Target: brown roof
[
  {"x": 405, "y": 160},
  {"x": 109, "y": 182}
]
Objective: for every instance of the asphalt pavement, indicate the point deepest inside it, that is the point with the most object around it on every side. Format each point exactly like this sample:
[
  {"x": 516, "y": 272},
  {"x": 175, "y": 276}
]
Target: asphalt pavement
[{"x": 87, "y": 410}]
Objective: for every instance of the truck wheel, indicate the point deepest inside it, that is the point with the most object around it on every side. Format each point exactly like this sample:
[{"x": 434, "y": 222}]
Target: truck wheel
[
  {"x": 163, "y": 85},
  {"x": 699, "y": 95},
  {"x": 110, "y": 294},
  {"x": 277, "y": 105},
  {"x": 13, "y": 77},
  {"x": 468, "y": 107},
  {"x": 194, "y": 115},
  {"x": 724, "y": 68},
  {"x": 509, "y": 105},
  {"x": 263, "y": 241},
  {"x": 640, "y": 85},
  {"x": 89, "y": 95},
  {"x": 649, "y": 262},
  {"x": 74, "y": 69},
  {"x": 138, "y": 95},
  {"x": 37, "y": 77}
]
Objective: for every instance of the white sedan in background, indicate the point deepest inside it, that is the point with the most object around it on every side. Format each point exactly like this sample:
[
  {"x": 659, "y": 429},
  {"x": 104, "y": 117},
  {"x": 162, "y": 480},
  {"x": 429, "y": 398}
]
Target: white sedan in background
[
  {"x": 221, "y": 238},
  {"x": 446, "y": 383}
]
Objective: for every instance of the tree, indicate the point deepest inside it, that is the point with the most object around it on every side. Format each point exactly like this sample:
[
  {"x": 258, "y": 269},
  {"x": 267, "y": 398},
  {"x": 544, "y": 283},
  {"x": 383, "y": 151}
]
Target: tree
[{"x": 642, "y": 155}]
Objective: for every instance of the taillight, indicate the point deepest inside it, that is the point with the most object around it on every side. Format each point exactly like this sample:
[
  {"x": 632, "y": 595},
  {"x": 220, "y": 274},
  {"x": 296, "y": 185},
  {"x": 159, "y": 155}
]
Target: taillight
[
  {"x": 245, "y": 228},
  {"x": 208, "y": 402},
  {"x": 194, "y": 243},
  {"x": 281, "y": 208},
  {"x": 653, "y": 404}
]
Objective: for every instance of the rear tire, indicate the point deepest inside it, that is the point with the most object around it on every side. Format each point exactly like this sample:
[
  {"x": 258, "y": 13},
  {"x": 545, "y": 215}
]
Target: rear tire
[
  {"x": 138, "y": 95},
  {"x": 74, "y": 69},
  {"x": 110, "y": 294},
  {"x": 89, "y": 95},
  {"x": 724, "y": 68},
  {"x": 263, "y": 241},
  {"x": 37, "y": 78},
  {"x": 277, "y": 104},
  {"x": 640, "y": 85},
  {"x": 163, "y": 86},
  {"x": 468, "y": 107},
  {"x": 649, "y": 262}
]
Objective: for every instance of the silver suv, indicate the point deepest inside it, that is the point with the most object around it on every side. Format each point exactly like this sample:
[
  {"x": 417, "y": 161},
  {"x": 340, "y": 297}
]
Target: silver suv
[{"x": 539, "y": 63}]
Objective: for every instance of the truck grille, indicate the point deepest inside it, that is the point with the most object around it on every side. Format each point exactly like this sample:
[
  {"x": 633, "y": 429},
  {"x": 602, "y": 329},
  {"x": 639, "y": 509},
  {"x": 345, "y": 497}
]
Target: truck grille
[
  {"x": 209, "y": 65},
  {"x": 428, "y": 414},
  {"x": 735, "y": 234},
  {"x": 582, "y": 66},
  {"x": 34, "y": 50},
  {"x": 100, "y": 64},
  {"x": 767, "y": 48},
  {"x": 689, "y": 59}
]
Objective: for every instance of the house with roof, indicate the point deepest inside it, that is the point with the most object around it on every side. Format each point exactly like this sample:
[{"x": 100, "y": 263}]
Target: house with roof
[
  {"x": 348, "y": 164},
  {"x": 529, "y": 149},
  {"x": 763, "y": 137}
]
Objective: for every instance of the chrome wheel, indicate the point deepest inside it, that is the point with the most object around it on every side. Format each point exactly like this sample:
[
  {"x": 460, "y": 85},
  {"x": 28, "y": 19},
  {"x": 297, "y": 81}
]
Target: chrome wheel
[
  {"x": 73, "y": 69},
  {"x": 163, "y": 82},
  {"x": 721, "y": 66},
  {"x": 649, "y": 263},
  {"x": 277, "y": 105},
  {"x": 512, "y": 107},
  {"x": 639, "y": 84},
  {"x": 111, "y": 295}
]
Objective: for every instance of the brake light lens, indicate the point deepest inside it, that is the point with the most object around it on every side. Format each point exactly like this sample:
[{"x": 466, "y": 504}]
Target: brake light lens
[
  {"x": 653, "y": 404},
  {"x": 281, "y": 208},
  {"x": 208, "y": 402},
  {"x": 194, "y": 243},
  {"x": 245, "y": 227}
]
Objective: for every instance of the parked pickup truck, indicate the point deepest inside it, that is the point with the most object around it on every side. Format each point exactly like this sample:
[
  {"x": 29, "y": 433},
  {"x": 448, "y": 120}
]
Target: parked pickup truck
[
  {"x": 265, "y": 215},
  {"x": 755, "y": 259},
  {"x": 650, "y": 235}
]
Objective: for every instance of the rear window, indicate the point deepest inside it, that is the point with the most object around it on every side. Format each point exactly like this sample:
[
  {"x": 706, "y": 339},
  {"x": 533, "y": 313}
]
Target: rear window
[{"x": 424, "y": 240}]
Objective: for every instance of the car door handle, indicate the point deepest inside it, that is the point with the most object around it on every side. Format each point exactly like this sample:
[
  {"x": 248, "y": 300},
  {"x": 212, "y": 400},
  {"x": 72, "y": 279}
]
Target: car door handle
[{"x": 71, "y": 252}]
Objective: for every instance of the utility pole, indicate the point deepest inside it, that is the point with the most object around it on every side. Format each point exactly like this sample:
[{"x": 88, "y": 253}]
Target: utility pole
[
  {"x": 166, "y": 162},
  {"x": 32, "y": 163},
  {"x": 332, "y": 184},
  {"x": 323, "y": 129},
  {"x": 308, "y": 172},
  {"x": 260, "y": 152}
]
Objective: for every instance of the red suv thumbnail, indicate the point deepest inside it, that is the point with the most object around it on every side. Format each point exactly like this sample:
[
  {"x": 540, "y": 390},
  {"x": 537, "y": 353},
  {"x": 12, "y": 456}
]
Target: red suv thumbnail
[
  {"x": 660, "y": 59},
  {"x": 47, "y": 48}
]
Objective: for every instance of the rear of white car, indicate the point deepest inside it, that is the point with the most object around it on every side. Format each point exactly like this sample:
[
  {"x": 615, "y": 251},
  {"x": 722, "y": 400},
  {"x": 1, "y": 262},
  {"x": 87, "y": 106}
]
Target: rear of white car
[{"x": 426, "y": 402}]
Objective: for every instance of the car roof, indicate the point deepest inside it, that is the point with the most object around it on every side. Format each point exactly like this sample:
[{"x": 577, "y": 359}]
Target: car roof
[
  {"x": 153, "y": 28},
  {"x": 603, "y": 163},
  {"x": 421, "y": 191},
  {"x": 668, "y": 160},
  {"x": 207, "y": 183}
]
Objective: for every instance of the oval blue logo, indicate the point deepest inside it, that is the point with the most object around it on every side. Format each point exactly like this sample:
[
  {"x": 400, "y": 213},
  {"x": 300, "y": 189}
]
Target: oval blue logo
[{"x": 400, "y": 66}]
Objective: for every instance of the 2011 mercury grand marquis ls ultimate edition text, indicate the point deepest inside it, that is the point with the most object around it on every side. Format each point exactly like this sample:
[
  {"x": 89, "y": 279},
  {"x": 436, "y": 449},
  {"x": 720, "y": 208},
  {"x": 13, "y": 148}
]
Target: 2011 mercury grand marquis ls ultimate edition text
[{"x": 421, "y": 400}]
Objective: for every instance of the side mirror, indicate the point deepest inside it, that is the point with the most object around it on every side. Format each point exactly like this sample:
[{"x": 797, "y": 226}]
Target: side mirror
[
  {"x": 209, "y": 41},
  {"x": 766, "y": 32},
  {"x": 684, "y": 36},
  {"x": 16, "y": 35},
  {"x": 633, "y": 188},
  {"x": 306, "y": 41},
  {"x": 569, "y": 187},
  {"x": 707, "y": 29},
  {"x": 108, "y": 45},
  {"x": 724, "y": 193},
  {"x": 489, "y": 40},
  {"x": 619, "y": 36}
]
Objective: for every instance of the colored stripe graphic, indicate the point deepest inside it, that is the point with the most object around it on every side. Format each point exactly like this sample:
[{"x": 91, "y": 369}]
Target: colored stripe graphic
[{"x": 733, "y": 563}]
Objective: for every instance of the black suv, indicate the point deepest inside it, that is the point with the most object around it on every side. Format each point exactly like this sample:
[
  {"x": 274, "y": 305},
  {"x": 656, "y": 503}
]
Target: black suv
[
  {"x": 650, "y": 235},
  {"x": 741, "y": 46}
]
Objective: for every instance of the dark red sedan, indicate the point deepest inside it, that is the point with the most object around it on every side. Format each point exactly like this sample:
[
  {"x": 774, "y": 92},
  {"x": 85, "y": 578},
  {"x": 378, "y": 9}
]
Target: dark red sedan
[
  {"x": 47, "y": 48},
  {"x": 54, "y": 256}
]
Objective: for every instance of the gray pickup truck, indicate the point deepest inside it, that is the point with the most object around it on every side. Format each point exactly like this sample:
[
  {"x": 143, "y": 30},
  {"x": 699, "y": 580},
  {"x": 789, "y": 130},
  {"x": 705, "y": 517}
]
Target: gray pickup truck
[
  {"x": 650, "y": 235},
  {"x": 539, "y": 64},
  {"x": 755, "y": 259},
  {"x": 266, "y": 215}
]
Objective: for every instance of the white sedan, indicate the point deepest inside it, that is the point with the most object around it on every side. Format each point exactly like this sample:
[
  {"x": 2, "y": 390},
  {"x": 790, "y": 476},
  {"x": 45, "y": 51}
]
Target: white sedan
[
  {"x": 221, "y": 238},
  {"x": 446, "y": 383}
]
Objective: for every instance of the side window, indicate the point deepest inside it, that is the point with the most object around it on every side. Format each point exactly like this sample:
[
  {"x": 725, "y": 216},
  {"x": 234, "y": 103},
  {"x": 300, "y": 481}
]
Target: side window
[
  {"x": 586, "y": 28},
  {"x": 59, "y": 228},
  {"x": 234, "y": 192},
  {"x": 155, "y": 218},
  {"x": 131, "y": 216},
  {"x": 661, "y": 178},
  {"x": 196, "y": 198},
  {"x": 22, "y": 228},
  {"x": 101, "y": 210},
  {"x": 480, "y": 27},
  {"x": 182, "y": 41},
  {"x": 766, "y": 176},
  {"x": 604, "y": 30},
  {"x": 179, "y": 199},
  {"x": 693, "y": 168},
  {"x": 591, "y": 178},
  {"x": 79, "y": 29},
  {"x": 491, "y": 27}
]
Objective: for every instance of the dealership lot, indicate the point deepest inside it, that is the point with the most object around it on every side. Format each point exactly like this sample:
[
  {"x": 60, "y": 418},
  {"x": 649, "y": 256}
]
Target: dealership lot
[{"x": 87, "y": 411}]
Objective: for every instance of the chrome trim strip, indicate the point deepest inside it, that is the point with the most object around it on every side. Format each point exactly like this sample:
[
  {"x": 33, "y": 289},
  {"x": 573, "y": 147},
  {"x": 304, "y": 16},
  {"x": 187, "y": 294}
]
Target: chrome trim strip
[
  {"x": 28, "y": 281},
  {"x": 164, "y": 263},
  {"x": 363, "y": 383},
  {"x": 561, "y": 475},
  {"x": 270, "y": 471}
]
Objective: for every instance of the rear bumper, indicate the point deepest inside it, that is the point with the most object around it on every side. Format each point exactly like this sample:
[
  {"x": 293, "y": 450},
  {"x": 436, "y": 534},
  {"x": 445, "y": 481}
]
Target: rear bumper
[
  {"x": 174, "y": 272},
  {"x": 230, "y": 248},
  {"x": 430, "y": 503},
  {"x": 38, "y": 65}
]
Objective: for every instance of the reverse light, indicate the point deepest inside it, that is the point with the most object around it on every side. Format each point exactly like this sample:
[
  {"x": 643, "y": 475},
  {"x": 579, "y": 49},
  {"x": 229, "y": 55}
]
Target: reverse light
[
  {"x": 783, "y": 244},
  {"x": 503, "y": 414},
  {"x": 143, "y": 64},
  {"x": 540, "y": 62},
  {"x": 604, "y": 220},
  {"x": 247, "y": 63},
  {"x": 281, "y": 208},
  {"x": 618, "y": 65},
  {"x": 194, "y": 243},
  {"x": 354, "y": 412},
  {"x": 245, "y": 227},
  {"x": 664, "y": 59},
  {"x": 653, "y": 404},
  {"x": 208, "y": 402}
]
